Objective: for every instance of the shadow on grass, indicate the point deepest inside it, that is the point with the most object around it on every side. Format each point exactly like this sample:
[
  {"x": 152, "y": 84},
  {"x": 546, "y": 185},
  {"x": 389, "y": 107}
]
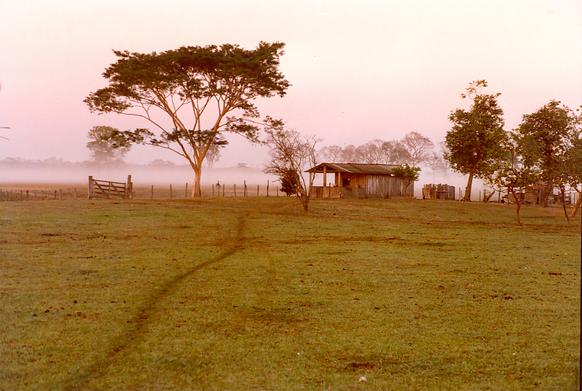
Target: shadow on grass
[{"x": 138, "y": 322}]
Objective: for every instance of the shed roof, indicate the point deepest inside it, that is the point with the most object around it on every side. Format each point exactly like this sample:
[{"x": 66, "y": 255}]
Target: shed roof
[{"x": 355, "y": 168}]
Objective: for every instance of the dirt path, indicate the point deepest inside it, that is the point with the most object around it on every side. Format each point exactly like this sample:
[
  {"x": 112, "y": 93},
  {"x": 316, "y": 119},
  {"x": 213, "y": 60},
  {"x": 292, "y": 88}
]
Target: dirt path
[{"x": 140, "y": 320}]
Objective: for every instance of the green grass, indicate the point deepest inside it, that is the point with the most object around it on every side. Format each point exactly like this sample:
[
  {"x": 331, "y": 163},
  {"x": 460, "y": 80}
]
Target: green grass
[{"x": 252, "y": 294}]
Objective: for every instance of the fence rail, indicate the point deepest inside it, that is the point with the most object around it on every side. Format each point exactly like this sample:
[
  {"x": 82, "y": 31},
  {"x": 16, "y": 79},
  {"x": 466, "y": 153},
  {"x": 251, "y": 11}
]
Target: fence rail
[{"x": 99, "y": 188}]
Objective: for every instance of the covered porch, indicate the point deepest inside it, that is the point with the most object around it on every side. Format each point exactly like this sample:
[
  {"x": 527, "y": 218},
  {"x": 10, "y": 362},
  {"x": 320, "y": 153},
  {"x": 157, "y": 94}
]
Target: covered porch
[{"x": 339, "y": 180}]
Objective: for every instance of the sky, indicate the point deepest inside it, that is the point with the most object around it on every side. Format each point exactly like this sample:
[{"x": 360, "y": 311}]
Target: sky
[{"x": 360, "y": 70}]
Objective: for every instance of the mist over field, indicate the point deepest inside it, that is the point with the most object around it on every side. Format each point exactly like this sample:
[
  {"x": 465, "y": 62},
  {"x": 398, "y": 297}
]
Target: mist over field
[
  {"x": 59, "y": 172},
  {"x": 141, "y": 174}
]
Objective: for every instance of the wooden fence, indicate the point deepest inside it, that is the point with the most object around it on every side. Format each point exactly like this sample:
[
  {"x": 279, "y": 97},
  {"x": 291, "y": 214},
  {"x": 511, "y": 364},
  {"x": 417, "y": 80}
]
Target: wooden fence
[
  {"x": 99, "y": 188},
  {"x": 115, "y": 190},
  {"x": 438, "y": 192}
]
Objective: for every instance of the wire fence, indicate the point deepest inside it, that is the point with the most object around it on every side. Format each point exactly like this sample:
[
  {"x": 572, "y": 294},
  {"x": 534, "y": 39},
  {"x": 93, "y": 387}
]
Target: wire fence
[{"x": 144, "y": 192}]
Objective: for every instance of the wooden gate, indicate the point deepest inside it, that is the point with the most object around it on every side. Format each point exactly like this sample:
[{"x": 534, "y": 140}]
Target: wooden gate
[{"x": 99, "y": 188}]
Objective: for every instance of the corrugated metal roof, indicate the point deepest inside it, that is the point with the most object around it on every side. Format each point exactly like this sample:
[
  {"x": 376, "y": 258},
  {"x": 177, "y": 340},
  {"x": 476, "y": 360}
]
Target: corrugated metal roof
[{"x": 355, "y": 168}]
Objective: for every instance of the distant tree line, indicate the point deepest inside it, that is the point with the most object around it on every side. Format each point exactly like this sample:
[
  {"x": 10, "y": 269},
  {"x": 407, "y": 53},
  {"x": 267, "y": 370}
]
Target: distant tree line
[{"x": 414, "y": 149}]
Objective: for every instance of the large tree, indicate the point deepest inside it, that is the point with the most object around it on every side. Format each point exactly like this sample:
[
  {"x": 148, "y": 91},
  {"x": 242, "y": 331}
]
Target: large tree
[
  {"x": 419, "y": 148},
  {"x": 543, "y": 138},
  {"x": 474, "y": 143},
  {"x": 107, "y": 144},
  {"x": 571, "y": 165},
  {"x": 331, "y": 153},
  {"x": 191, "y": 95}
]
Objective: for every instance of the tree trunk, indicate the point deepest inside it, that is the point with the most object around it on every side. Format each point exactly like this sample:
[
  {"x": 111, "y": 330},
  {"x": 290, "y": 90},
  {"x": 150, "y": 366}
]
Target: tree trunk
[
  {"x": 546, "y": 190},
  {"x": 517, "y": 205},
  {"x": 577, "y": 204},
  {"x": 563, "y": 197},
  {"x": 304, "y": 202},
  {"x": 197, "y": 189},
  {"x": 486, "y": 199},
  {"x": 467, "y": 196}
]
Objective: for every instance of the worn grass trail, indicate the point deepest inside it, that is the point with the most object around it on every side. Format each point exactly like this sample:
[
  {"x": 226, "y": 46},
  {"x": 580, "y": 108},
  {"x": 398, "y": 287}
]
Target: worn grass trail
[
  {"x": 136, "y": 325},
  {"x": 253, "y": 294}
]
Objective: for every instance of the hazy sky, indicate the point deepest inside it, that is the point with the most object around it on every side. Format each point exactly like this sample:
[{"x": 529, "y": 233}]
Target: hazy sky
[{"x": 359, "y": 69}]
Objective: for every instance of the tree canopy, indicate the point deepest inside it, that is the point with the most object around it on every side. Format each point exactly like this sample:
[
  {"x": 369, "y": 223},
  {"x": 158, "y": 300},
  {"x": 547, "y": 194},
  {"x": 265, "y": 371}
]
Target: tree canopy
[
  {"x": 191, "y": 95},
  {"x": 107, "y": 144},
  {"x": 544, "y": 139},
  {"x": 414, "y": 149},
  {"x": 474, "y": 142}
]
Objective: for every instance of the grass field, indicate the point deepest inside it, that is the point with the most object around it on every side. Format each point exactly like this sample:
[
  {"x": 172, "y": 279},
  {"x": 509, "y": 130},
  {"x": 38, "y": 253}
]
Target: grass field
[{"x": 245, "y": 294}]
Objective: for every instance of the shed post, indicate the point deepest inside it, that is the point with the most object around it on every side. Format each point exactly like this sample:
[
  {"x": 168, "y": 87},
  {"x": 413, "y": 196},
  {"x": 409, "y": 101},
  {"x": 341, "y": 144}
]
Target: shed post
[{"x": 324, "y": 176}]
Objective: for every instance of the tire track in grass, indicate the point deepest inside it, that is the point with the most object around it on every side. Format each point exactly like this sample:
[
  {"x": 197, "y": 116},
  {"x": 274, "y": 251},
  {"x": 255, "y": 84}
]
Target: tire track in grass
[{"x": 139, "y": 321}]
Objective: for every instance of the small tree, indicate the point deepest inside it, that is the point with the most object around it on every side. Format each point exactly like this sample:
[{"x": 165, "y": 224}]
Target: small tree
[
  {"x": 289, "y": 181},
  {"x": 512, "y": 172},
  {"x": 543, "y": 138},
  {"x": 474, "y": 143},
  {"x": 192, "y": 95},
  {"x": 419, "y": 148},
  {"x": 291, "y": 155},
  {"x": 408, "y": 173},
  {"x": 107, "y": 145}
]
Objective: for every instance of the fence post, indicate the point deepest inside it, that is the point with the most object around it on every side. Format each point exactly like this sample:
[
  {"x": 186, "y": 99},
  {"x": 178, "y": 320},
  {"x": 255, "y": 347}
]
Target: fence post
[
  {"x": 277, "y": 191},
  {"x": 90, "y": 188},
  {"x": 245, "y": 188},
  {"x": 186, "y": 191},
  {"x": 267, "y": 187},
  {"x": 235, "y": 190},
  {"x": 152, "y": 193},
  {"x": 223, "y": 187},
  {"x": 257, "y": 190},
  {"x": 55, "y": 194},
  {"x": 129, "y": 188},
  {"x": 27, "y": 195},
  {"x": 170, "y": 191}
]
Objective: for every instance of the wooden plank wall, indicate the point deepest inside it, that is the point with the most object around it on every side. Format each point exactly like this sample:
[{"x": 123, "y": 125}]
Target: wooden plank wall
[{"x": 386, "y": 186}]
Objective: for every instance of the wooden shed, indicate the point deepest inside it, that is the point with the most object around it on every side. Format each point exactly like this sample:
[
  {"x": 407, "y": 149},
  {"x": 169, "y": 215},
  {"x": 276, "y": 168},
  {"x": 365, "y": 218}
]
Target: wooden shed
[{"x": 360, "y": 180}]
